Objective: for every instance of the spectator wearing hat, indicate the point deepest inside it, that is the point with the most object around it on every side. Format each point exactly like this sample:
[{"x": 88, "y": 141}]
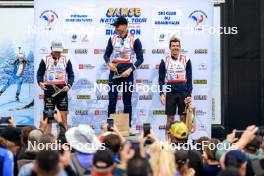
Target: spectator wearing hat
[
  {"x": 55, "y": 73},
  {"x": 103, "y": 163},
  {"x": 178, "y": 134},
  {"x": 18, "y": 73},
  {"x": 119, "y": 56},
  {"x": 236, "y": 159},
  {"x": 85, "y": 143},
  {"x": 182, "y": 164}
]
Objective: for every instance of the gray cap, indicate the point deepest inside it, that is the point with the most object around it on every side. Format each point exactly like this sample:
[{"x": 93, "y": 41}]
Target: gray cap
[
  {"x": 35, "y": 135},
  {"x": 56, "y": 46}
]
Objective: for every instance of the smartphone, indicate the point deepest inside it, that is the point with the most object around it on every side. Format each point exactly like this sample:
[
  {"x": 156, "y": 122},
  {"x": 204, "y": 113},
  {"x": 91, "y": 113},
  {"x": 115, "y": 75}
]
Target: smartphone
[
  {"x": 110, "y": 124},
  {"x": 238, "y": 133},
  {"x": 136, "y": 147},
  {"x": 49, "y": 114},
  {"x": 146, "y": 129},
  {"x": 4, "y": 120},
  {"x": 260, "y": 131}
]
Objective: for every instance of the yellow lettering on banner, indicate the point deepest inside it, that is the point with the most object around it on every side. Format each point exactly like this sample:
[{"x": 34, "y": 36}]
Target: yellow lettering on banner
[
  {"x": 116, "y": 12},
  {"x": 124, "y": 11},
  {"x": 131, "y": 12},
  {"x": 137, "y": 12},
  {"x": 110, "y": 12}
]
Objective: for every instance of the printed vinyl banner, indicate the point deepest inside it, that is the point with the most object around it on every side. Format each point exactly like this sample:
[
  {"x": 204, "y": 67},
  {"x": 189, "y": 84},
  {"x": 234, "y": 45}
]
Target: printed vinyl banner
[
  {"x": 16, "y": 78},
  {"x": 84, "y": 28}
]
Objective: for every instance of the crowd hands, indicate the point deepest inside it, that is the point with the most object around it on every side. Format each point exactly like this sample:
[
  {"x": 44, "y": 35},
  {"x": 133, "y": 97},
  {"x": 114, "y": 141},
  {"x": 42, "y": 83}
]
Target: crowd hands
[{"x": 109, "y": 153}]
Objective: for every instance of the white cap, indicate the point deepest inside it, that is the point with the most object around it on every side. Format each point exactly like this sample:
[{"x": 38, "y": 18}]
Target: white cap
[{"x": 56, "y": 46}]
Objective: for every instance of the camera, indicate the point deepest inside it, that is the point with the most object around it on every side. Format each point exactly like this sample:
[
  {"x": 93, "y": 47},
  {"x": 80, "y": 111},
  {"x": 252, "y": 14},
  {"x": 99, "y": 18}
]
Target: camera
[
  {"x": 4, "y": 120},
  {"x": 136, "y": 147},
  {"x": 49, "y": 114},
  {"x": 260, "y": 132},
  {"x": 146, "y": 129},
  {"x": 110, "y": 124}
]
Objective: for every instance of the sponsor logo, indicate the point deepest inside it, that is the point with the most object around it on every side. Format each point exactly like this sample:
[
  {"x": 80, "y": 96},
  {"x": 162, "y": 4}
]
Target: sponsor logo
[
  {"x": 100, "y": 112},
  {"x": 145, "y": 97},
  {"x": 158, "y": 51},
  {"x": 106, "y": 97},
  {"x": 143, "y": 66},
  {"x": 126, "y": 12},
  {"x": 78, "y": 18},
  {"x": 83, "y": 84},
  {"x": 99, "y": 51},
  {"x": 183, "y": 51},
  {"x": 162, "y": 127},
  {"x": 202, "y": 67},
  {"x": 200, "y": 51},
  {"x": 132, "y": 14},
  {"x": 83, "y": 38},
  {"x": 200, "y": 97},
  {"x": 102, "y": 97},
  {"x": 102, "y": 81},
  {"x": 198, "y": 18},
  {"x": 86, "y": 66},
  {"x": 43, "y": 50},
  {"x": 81, "y": 51},
  {"x": 200, "y": 81},
  {"x": 142, "y": 112},
  {"x": 130, "y": 31},
  {"x": 143, "y": 81},
  {"x": 83, "y": 97},
  {"x": 65, "y": 51},
  {"x": 138, "y": 127},
  {"x": 104, "y": 67},
  {"x": 81, "y": 112},
  {"x": 200, "y": 112},
  {"x": 49, "y": 19},
  {"x": 158, "y": 112}
]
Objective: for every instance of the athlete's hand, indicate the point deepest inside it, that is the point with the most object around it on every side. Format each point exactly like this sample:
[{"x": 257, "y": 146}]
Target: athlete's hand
[
  {"x": 126, "y": 73},
  {"x": 42, "y": 86},
  {"x": 112, "y": 67},
  {"x": 162, "y": 99},
  {"x": 188, "y": 100},
  {"x": 65, "y": 88}
]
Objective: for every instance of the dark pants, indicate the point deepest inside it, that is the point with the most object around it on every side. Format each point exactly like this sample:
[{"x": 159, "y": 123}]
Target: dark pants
[{"x": 127, "y": 94}]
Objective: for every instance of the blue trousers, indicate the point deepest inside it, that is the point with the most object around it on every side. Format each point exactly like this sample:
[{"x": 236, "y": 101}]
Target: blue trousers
[
  {"x": 18, "y": 80},
  {"x": 127, "y": 94}
]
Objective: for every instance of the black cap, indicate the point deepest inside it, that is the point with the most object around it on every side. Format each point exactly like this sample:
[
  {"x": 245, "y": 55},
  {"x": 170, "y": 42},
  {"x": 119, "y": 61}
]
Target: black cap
[
  {"x": 103, "y": 160},
  {"x": 120, "y": 21},
  {"x": 181, "y": 157}
]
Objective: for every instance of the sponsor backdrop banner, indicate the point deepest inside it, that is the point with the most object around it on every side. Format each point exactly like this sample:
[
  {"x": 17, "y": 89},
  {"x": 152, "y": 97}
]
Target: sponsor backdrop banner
[
  {"x": 84, "y": 28},
  {"x": 14, "y": 34}
]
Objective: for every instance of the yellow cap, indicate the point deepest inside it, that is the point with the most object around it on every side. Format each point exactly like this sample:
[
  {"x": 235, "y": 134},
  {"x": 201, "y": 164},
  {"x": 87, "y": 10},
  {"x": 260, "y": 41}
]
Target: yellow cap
[{"x": 179, "y": 130}]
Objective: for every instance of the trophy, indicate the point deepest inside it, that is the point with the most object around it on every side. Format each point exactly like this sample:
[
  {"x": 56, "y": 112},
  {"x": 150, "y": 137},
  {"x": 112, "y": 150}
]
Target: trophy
[{"x": 116, "y": 73}]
